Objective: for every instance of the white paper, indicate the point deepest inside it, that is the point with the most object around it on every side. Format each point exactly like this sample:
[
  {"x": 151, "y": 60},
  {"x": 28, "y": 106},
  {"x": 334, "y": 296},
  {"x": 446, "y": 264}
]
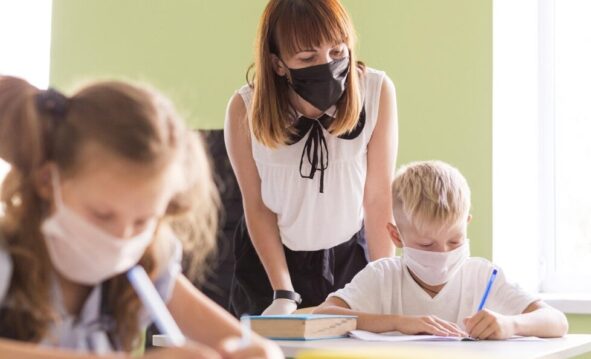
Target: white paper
[
  {"x": 399, "y": 337},
  {"x": 526, "y": 339}
]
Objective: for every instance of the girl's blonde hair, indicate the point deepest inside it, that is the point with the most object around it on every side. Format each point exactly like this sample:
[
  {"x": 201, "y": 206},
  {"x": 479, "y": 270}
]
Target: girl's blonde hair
[
  {"x": 285, "y": 28},
  {"x": 133, "y": 122},
  {"x": 431, "y": 193}
]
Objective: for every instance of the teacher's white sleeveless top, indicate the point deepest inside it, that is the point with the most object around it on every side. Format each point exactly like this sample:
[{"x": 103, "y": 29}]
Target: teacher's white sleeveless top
[{"x": 309, "y": 220}]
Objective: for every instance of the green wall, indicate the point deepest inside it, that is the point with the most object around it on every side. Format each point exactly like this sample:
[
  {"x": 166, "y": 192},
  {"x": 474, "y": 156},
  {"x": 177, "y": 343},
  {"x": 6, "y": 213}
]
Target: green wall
[
  {"x": 195, "y": 51},
  {"x": 438, "y": 53}
]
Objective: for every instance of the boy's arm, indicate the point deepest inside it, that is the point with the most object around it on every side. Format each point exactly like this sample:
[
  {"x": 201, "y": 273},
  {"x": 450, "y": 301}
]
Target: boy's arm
[
  {"x": 538, "y": 319},
  {"x": 387, "y": 323},
  {"x": 541, "y": 320}
]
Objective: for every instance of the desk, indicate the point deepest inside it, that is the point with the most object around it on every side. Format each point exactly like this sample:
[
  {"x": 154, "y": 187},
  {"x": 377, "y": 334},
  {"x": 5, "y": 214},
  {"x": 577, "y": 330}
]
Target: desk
[{"x": 567, "y": 347}]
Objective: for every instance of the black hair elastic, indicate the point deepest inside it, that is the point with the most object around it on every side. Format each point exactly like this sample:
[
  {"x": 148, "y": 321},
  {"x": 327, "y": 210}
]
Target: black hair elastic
[{"x": 52, "y": 102}]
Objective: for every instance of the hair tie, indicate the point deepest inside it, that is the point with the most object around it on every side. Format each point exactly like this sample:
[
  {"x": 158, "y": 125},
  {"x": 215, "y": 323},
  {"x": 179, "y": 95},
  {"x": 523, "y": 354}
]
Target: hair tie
[{"x": 52, "y": 102}]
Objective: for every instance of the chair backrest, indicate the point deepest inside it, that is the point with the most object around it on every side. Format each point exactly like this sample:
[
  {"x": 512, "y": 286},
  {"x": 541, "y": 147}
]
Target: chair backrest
[{"x": 219, "y": 279}]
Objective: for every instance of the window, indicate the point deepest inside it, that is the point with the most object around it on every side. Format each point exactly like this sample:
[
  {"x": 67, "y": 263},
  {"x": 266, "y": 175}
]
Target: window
[
  {"x": 542, "y": 144},
  {"x": 569, "y": 252},
  {"x": 25, "y": 32}
]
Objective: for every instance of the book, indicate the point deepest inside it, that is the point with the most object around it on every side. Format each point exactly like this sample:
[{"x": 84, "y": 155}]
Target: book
[{"x": 303, "y": 326}]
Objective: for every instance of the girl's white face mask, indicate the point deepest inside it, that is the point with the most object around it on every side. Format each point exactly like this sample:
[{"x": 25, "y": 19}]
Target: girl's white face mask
[
  {"x": 84, "y": 253},
  {"x": 435, "y": 268}
]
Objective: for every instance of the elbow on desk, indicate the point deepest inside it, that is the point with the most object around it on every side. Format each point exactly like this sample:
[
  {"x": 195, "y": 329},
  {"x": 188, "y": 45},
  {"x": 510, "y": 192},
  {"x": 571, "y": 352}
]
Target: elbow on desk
[
  {"x": 564, "y": 326},
  {"x": 558, "y": 326}
]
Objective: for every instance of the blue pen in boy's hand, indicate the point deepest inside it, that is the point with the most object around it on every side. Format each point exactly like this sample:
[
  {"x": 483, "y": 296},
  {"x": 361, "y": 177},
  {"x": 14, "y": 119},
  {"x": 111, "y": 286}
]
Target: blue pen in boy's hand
[{"x": 491, "y": 280}]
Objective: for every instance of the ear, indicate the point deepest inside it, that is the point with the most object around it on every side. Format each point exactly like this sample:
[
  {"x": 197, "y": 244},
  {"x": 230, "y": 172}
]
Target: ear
[
  {"x": 42, "y": 181},
  {"x": 394, "y": 235},
  {"x": 278, "y": 66},
  {"x": 469, "y": 219}
]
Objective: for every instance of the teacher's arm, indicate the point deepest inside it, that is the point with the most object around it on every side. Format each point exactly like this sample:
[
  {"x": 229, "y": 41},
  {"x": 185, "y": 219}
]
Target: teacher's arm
[
  {"x": 261, "y": 222},
  {"x": 381, "y": 164}
]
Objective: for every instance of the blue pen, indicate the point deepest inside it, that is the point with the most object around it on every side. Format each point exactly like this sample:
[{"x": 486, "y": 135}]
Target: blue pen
[
  {"x": 155, "y": 305},
  {"x": 493, "y": 275}
]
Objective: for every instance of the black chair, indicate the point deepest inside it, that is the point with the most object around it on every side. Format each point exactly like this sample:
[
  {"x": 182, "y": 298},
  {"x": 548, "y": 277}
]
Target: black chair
[{"x": 218, "y": 277}]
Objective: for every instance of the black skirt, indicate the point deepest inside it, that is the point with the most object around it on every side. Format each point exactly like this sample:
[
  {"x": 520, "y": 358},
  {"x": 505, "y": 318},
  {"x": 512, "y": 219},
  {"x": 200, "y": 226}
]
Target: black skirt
[{"x": 314, "y": 274}]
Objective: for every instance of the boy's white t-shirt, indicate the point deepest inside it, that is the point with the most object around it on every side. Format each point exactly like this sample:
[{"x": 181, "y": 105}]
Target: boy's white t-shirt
[{"x": 386, "y": 287}]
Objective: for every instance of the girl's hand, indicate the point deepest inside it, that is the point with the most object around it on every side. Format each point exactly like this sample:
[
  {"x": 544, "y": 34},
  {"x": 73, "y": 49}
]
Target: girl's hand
[
  {"x": 487, "y": 324},
  {"x": 191, "y": 350},
  {"x": 428, "y": 324},
  {"x": 258, "y": 348}
]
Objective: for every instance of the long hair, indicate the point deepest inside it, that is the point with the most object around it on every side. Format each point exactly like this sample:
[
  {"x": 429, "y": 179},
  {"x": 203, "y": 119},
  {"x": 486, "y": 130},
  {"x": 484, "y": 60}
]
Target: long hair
[
  {"x": 132, "y": 122},
  {"x": 286, "y": 27}
]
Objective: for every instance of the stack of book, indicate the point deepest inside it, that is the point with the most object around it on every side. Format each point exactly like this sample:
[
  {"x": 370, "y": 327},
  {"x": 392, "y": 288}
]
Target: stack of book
[{"x": 303, "y": 326}]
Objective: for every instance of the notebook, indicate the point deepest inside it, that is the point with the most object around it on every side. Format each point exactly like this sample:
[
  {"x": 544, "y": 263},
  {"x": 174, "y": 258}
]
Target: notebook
[
  {"x": 399, "y": 337},
  {"x": 303, "y": 326}
]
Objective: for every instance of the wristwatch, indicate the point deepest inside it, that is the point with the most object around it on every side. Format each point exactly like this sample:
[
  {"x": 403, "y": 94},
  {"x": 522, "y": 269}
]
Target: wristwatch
[{"x": 287, "y": 294}]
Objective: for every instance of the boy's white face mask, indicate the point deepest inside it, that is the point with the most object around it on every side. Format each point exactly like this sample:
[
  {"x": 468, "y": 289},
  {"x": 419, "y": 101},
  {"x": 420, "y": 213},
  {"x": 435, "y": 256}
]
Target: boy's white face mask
[
  {"x": 435, "y": 268},
  {"x": 84, "y": 253}
]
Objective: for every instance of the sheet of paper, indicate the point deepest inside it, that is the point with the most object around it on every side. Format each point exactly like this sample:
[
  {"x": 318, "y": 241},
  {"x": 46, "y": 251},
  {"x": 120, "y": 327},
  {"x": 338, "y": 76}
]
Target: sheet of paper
[
  {"x": 526, "y": 339},
  {"x": 399, "y": 337}
]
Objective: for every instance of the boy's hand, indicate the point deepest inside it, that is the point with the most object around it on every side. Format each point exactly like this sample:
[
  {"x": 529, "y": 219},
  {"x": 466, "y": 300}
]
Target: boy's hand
[
  {"x": 487, "y": 324},
  {"x": 428, "y": 324}
]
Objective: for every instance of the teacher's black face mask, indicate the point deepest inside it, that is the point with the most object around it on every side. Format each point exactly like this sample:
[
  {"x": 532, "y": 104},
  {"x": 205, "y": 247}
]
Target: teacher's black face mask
[{"x": 321, "y": 85}]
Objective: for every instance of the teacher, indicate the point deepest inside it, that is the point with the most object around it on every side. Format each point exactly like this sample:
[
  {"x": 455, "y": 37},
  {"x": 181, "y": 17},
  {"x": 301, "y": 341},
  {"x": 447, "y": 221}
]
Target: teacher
[{"x": 312, "y": 139}]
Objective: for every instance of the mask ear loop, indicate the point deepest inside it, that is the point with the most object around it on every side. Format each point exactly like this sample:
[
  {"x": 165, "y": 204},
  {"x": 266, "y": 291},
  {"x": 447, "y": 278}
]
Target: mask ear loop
[
  {"x": 287, "y": 72},
  {"x": 55, "y": 185},
  {"x": 400, "y": 237},
  {"x": 294, "y": 112}
]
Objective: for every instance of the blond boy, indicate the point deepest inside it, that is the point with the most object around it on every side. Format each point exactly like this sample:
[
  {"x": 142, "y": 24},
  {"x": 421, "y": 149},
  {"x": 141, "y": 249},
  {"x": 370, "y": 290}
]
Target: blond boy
[{"x": 435, "y": 286}]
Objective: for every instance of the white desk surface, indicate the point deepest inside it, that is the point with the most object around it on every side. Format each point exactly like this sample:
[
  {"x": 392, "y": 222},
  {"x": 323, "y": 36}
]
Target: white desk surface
[{"x": 567, "y": 347}]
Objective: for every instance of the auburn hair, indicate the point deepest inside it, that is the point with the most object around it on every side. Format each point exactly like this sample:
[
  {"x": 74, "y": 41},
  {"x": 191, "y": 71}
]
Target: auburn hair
[
  {"x": 133, "y": 122},
  {"x": 285, "y": 28}
]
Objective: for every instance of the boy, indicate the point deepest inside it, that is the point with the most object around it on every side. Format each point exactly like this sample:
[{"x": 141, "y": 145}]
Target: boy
[{"x": 435, "y": 287}]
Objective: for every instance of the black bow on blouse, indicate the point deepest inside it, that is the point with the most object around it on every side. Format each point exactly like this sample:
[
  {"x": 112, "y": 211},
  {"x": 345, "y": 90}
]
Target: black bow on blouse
[{"x": 315, "y": 148}]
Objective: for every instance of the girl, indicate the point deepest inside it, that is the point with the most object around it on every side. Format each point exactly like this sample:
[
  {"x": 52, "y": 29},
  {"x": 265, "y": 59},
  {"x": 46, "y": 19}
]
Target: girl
[
  {"x": 99, "y": 182},
  {"x": 312, "y": 140}
]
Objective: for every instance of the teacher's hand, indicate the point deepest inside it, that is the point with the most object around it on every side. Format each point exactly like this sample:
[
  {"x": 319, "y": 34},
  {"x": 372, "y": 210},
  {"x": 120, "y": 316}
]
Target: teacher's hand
[{"x": 281, "y": 306}]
